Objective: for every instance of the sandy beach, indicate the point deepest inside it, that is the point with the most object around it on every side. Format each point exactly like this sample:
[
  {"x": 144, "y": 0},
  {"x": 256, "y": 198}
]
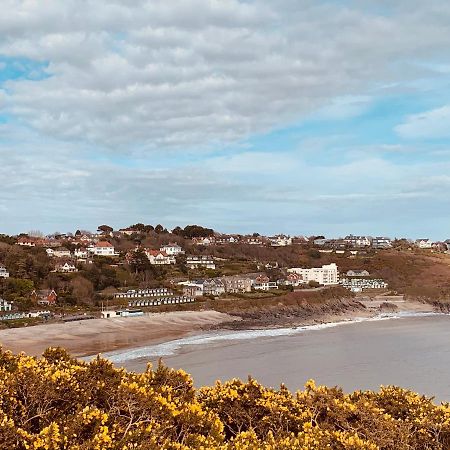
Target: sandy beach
[{"x": 101, "y": 335}]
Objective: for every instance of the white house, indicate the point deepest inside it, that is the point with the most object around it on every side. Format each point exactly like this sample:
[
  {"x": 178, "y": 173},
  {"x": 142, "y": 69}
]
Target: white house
[
  {"x": 102, "y": 248},
  {"x": 280, "y": 241},
  {"x": 80, "y": 253},
  {"x": 358, "y": 273},
  {"x": 66, "y": 268},
  {"x": 3, "y": 272},
  {"x": 424, "y": 243},
  {"x": 381, "y": 242},
  {"x": 358, "y": 241},
  {"x": 159, "y": 258},
  {"x": 172, "y": 249},
  {"x": 326, "y": 275},
  {"x": 5, "y": 306},
  {"x": 194, "y": 262},
  {"x": 60, "y": 252}
]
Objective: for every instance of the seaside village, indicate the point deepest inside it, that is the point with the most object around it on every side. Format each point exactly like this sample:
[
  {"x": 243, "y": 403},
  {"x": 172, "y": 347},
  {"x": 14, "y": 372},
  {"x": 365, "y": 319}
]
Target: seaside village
[{"x": 115, "y": 273}]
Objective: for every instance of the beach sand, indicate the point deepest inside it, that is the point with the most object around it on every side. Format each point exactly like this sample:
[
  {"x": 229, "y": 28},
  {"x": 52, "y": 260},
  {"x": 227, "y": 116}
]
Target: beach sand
[{"x": 94, "y": 336}]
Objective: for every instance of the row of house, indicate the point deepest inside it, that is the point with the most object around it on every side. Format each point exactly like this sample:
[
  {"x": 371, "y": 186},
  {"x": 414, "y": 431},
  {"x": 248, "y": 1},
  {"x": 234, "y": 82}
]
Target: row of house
[
  {"x": 230, "y": 284},
  {"x": 144, "y": 293},
  {"x": 363, "y": 284}
]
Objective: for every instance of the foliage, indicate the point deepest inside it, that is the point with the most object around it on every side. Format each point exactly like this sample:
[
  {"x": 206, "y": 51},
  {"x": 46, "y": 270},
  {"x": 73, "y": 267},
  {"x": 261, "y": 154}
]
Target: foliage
[{"x": 57, "y": 402}]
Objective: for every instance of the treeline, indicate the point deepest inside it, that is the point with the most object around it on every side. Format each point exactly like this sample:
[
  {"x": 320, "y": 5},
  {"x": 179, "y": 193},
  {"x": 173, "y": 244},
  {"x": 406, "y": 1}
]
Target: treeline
[{"x": 57, "y": 403}]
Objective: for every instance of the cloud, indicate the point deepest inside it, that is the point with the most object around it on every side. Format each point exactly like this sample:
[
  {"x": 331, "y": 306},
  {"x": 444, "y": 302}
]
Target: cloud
[
  {"x": 196, "y": 73},
  {"x": 432, "y": 124}
]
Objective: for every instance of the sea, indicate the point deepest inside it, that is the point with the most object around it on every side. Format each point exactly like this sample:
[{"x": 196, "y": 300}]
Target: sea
[{"x": 411, "y": 350}]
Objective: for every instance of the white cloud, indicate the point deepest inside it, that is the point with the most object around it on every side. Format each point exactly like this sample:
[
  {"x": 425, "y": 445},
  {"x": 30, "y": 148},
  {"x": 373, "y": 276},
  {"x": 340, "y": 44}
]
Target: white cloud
[
  {"x": 204, "y": 72},
  {"x": 429, "y": 124}
]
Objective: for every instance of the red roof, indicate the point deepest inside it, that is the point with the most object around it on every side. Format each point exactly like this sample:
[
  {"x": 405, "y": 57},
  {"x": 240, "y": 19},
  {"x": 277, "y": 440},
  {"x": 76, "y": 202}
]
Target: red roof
[
  {"x": 156, "y": 253},
  {"x": 103, "y": 244}
]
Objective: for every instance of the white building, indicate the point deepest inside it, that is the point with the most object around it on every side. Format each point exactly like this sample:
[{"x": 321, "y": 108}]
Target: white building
[
  {"x": 159, "y": 258},
  {"x": 59, "y": 252},
  {"x": 280, "y": 241},
  {"x": 325, "y": 275},
  {"x": 194, "y": 262},
  {"x": 102, "y": 248},
  {"x": 381, "y": 242},
  {"x": 66, "y": 268},
  {"x": 80, "y": 253},
  {"x": 5, "y": 306},
  {"x": 424, "y": 243},
  {"x": 358, "y": 241},
  {"x": 3, "y": 272},
  {"x": 172, "y": 249}
]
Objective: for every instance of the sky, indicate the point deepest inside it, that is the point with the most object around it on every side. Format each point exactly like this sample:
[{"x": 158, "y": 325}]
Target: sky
[{"x": 289, "y": 116}]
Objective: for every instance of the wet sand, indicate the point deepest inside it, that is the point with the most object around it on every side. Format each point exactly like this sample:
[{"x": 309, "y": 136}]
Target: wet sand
[
  {"x": 410, "y": 352},
  {"x": 101, "y": 335}
]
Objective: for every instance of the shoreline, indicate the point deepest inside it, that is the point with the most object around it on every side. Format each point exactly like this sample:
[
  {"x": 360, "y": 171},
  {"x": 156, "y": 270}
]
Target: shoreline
[
  {"x": 88, "y": 338},
  {"x": 136, "y": 359}
]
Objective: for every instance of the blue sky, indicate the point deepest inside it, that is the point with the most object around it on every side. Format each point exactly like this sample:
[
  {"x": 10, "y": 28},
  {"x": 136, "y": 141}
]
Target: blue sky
[{"x": 302, "y": 117}]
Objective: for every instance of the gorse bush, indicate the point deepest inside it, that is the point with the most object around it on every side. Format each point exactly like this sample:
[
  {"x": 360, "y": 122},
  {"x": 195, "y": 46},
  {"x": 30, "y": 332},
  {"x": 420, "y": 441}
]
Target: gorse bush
[{"x": 57, "y": 402}]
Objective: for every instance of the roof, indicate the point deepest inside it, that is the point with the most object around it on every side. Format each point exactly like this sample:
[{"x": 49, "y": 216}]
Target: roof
[
  {"x": 103, "y": 244},
  {"x": 156, "y": 252}
]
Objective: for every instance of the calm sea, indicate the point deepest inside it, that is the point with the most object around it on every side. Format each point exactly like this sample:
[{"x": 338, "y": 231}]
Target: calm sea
[{"x": 412, "y": 352}]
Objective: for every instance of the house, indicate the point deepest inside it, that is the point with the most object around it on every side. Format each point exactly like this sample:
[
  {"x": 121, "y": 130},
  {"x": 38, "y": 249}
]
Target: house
[
  {"x": 326, "y": 275},
  {"x": 195, "y": 262},
  {"x": 60, "y": 252},
  {"x": 81, "y": 253},
  {"x": 159, "y": 258},
  {"x": 197, "y": 288},
  {"x": 193, "y": 289},
  {"x": 237, "y": 284},
  {"x": 102, "y": 248},
  {"x": 213, "y": 286},
  {"x": 25, "y": 241},
  {"x": 225, "y": 239},
  {"x": 66, "y": 268},
  {"x": 280, "y": 241},
  {"x": 357, "y": 273},
  {"x": 144, "y": 293},
  {"x": 363, "y": 284},
  {"x": 358, "y": 241},
  {"x": 320, "y": 242},
  {"x": 424, "y": 243},
  {"x": 172, "y": 249},
  {"x": 204, "y": 241},
  {"x": 254, "y": 240},
  {"x": 263, "y": 283},
  {"x": 127, "y": 231},
  {"x": 5, "y": 306},
  {"x": 3, "y": 272},
  {"x": 44, "y": 297},
  {"x": 381, "y": 242},
  {"x": 294, "y": 279}
]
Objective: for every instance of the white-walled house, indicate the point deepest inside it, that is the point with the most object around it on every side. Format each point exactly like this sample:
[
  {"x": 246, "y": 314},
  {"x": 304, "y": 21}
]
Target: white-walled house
[
  {"x": 358, "y": 241},
  {"x": 81, "y": 253},
  {"x": 66, "y": 268},
  {"x": 60, "y": 252},
  {"x": 381, "y": 242},
  {"x": 172, "y": 249},
  {"x": 159, "y": 258},
  {"x": 424, "y": 243},
  {"x": 326, "y": 275},
  {"x": 3, "y": 272},
  {"x": 5, "y": 306},
  {"x": 280, "y": 241},
  {"x": 102, "y": 248},
  {"x": 194, "y": 262}
]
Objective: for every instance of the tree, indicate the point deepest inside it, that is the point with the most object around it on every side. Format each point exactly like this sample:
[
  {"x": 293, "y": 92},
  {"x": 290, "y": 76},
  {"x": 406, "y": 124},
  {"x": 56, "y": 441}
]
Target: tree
[
  {"x": 105, "y": 229},
  {"x": 82, "y": 290},
  {"x": 160, "y": 229}
]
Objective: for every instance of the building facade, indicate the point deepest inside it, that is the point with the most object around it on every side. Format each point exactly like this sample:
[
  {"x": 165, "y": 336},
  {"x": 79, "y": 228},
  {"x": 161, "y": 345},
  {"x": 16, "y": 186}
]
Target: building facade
[{"x": 326, "y": 275}]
